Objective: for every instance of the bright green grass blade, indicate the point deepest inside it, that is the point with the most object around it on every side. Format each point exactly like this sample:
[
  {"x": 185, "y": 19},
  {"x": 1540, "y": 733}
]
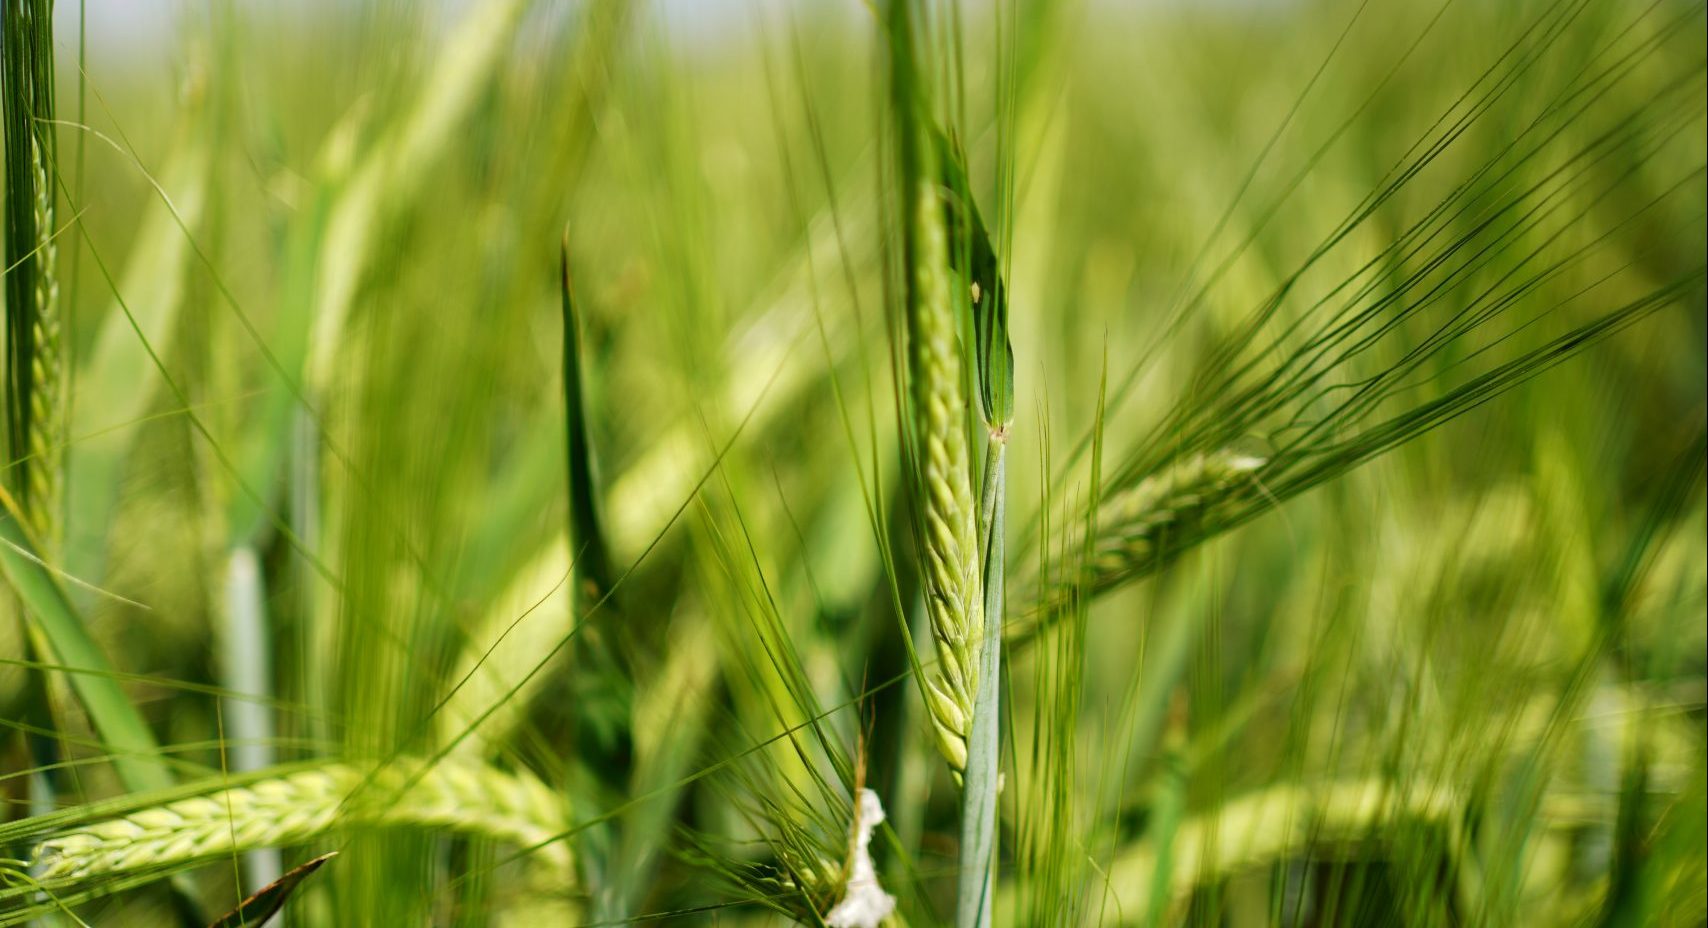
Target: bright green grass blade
[{"x": 134, "y": 750}]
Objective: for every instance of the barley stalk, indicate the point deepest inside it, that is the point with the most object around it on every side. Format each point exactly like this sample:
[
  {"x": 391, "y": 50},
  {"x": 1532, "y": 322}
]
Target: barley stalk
[
  {"x": 300, "y": 807},
  {"x": 974, "y": 896}
]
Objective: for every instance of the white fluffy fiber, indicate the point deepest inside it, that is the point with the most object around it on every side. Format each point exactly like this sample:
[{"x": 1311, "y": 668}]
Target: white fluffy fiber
[{"x": 864, "y": 903}]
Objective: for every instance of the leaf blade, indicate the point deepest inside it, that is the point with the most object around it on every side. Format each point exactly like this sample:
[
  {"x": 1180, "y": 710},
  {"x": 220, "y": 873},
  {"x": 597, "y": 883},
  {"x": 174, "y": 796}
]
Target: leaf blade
[
  {"x": 53, "y": 619},
  {"x": 254, "y": 911}
]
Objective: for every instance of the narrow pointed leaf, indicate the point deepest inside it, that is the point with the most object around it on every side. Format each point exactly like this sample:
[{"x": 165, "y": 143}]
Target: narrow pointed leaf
[
  {"x": 973, "y": 257},
  {"x": 587, "y": 538},
  {"x": 64, "y": 636},
  {"x": 268, "y": 900}
]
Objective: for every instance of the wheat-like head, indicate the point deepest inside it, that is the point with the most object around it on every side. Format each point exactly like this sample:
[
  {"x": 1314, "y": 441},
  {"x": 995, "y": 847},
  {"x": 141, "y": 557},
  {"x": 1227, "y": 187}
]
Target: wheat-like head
[
  {"x": 1140, "y": 528},
  {"x": 472, "y": 798},
  {"x": 952, "y": 599},
  {"x": 47, "y": 370},
  {"x": 34, "y": 349}
]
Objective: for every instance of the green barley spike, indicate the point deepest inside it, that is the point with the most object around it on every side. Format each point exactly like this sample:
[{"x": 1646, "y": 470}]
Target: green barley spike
[{"x": 35, "y": 367}]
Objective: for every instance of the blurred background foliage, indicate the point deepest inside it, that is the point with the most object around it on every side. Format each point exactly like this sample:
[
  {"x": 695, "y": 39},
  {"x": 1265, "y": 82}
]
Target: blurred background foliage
[{"x": 316, "y": 453}]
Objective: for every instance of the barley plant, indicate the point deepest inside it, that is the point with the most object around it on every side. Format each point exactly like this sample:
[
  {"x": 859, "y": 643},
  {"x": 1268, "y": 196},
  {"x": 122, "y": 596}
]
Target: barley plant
[{"x": 854, "y": 463}]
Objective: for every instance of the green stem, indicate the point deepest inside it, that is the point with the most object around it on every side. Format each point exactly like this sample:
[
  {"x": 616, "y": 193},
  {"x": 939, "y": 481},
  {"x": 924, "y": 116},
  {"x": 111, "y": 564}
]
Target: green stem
[
  {"x": 246, "y": 674},
  {"x": 978, "y": 800}
]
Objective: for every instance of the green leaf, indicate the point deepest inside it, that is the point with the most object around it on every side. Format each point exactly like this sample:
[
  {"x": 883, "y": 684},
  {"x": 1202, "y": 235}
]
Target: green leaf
[
  {"x": 52, "y": 618},
  {"x": 592, "y": 560},
  {"x": 972, "y": 256}
]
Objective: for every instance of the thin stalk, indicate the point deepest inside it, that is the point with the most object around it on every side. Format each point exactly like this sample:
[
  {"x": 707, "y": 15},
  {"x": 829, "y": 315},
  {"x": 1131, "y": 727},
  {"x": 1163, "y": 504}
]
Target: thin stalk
[
  {"x": 978, "y": 799},
  {"x": 246, "y": 662}
]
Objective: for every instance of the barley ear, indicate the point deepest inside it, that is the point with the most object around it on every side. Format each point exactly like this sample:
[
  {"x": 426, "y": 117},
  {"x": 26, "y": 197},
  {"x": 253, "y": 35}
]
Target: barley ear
[
  {"x": 306, "y": 805},
  {"x": 938, "y": 412},
  {"x": 47, "y": 365},
  {"x": 951, "y": 273},
  {"x": 951, "y": 536},
  {"x": 1144, "y": 526},
  {"x": 35, "y": 367},
  {"x": 975, "y": 260}
]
